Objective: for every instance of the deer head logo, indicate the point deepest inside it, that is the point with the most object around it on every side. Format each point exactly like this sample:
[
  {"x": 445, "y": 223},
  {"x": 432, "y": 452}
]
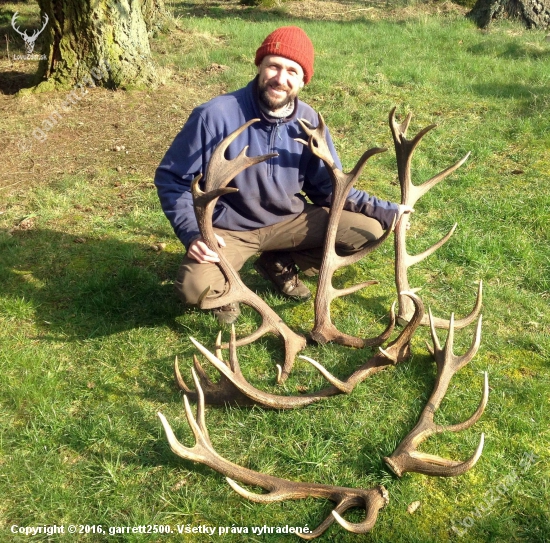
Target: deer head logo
[{"x": 29, "y": 40}]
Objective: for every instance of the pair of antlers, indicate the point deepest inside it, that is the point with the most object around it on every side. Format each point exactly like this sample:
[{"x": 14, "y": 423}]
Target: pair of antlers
[
  {"x": 372, "y": 500},
  {"x": 404, "y": 459}
]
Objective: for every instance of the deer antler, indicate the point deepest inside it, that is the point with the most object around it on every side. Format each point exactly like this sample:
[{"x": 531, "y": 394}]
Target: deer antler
[
  {"x": 219, "y": 173},
  {"x": 234, "y": 388},
  {"x": 372, "y": 500},
  {"x": 410, "y": 194},
  {"x": 406, "y": 458},
  {"x": 324, "y": 330}
]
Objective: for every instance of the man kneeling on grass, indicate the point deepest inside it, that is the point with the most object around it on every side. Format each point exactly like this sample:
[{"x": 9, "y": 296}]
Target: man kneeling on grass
[{"x": 270, "y": 214}]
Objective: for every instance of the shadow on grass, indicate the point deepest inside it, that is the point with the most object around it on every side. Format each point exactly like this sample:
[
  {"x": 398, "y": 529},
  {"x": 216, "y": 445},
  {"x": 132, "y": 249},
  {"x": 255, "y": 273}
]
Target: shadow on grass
[
  {"x": 529, "y": 97},
  {"x": 511, "y": 50},
  {"x": 82, "y": 288},
  {"x": 12, "y": 82}
]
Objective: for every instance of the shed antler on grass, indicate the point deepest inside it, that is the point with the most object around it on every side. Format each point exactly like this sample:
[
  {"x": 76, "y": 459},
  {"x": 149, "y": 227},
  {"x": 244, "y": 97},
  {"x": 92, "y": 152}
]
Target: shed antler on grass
[
  {"x": 406, "y": 457},
  {"x": 219, "y": 173},
  {"x": 232, "y": 387},
  {"x": 371, "y": 500},
  {"x": 324, "y": 330},
  {"x": 410, "y": 194}
]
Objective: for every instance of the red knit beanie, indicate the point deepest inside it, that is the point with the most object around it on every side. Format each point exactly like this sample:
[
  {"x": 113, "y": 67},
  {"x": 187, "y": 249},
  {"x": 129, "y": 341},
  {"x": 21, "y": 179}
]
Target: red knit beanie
[{"x": 290, "y": 42}]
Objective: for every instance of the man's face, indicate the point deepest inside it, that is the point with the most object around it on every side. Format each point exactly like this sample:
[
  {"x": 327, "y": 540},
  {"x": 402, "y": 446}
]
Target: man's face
[{"x": 280, "y": 81}]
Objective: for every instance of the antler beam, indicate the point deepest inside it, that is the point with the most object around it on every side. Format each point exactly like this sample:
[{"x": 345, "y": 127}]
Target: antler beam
[
  {"x": 406, "y": 457},
  {"x": 219, "y": 173},
  {"x": 371, "y": 500},
  {"x": 324, "y": 330},
  {"x": 410, "y": 194}
]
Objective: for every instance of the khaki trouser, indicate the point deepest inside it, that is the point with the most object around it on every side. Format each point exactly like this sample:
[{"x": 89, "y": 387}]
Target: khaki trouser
[{"x": 302, "y": 237}]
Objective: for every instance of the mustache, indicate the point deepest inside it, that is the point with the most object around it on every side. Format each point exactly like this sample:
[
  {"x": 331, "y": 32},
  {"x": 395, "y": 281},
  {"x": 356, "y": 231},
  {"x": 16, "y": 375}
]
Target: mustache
[
  {"x": 274, "y": 86},
  {"x": 280, "y": 88}
]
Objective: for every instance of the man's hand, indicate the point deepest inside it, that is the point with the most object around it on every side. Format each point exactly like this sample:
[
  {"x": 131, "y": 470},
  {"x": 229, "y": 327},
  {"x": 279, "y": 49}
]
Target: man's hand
[
  {"x": 199, "y": 251},
  {"x": 403, "y": 210}
]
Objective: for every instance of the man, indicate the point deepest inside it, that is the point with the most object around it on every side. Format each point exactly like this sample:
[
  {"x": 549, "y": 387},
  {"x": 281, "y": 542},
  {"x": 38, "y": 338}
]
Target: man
[{"x": 269, "y": 214}]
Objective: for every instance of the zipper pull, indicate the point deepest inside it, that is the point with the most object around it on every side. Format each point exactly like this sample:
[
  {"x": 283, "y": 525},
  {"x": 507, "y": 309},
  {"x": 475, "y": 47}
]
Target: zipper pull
[{"x": 279, "y": 122}]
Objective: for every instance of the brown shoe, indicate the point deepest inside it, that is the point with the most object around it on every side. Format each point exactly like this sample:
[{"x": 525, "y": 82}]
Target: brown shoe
[
  {"x": 227, "y": 314},
  {"x": 279, "y": 268}
]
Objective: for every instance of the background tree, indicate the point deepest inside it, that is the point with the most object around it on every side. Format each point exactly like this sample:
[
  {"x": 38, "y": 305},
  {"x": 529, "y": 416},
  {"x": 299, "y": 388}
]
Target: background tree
[
  {"x": 109, "y": 35},
  {"x": 533, "y": 13}
]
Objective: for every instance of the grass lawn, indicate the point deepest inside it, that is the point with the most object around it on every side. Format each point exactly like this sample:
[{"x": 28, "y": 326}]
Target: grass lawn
[{"x": 90, "y": 325}]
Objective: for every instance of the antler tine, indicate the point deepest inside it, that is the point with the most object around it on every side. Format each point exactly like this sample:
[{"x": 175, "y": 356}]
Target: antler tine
[
  {"x": 220, "y": 170},
  {"x": 317, "y": 142},
  {"x": 201, "y": 421},
  {"x": 180, "y": 382},
  {"x": 399, "y": 349},
  {"x": 399, "y": 129},
  {"x": 16, "y": 28},
  {"x": 197, "y": 424},
  {"x": 202, "y": 199},
  {"x": 447, "y": 356},
  {"x": 36, "y": 32},
  {"x": 370, "y": 519},
  {"x": 437, "y": 346},
  {"x": 420, "y": 190},
  {"x": 411, "y": 260},
  {"x": 342, "y": 386},
  {"x": 182, "y": 385},
  {"x": 277, "y": 489},
  {"x": 468, "y": 319},
  {"x": 406, "y": 458},
  {"x": 399, "y": 132}
]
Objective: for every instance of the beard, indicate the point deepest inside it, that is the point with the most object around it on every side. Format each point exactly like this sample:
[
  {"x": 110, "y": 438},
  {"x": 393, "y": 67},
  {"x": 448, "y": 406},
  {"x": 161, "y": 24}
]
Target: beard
[{"x": 273, "y": 103}]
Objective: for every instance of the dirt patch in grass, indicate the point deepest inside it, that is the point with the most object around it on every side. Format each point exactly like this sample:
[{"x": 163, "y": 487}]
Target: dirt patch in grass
[
  {"x": 327, "y": 10},
  {"x": 123, "y": 133}
]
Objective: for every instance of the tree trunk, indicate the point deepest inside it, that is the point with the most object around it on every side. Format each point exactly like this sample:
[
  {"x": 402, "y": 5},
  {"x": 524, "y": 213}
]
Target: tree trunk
[
  {"x": 101, "y": 42},
  {"x": 155, "y": 14},
  {"x": 532, "y": 13}
]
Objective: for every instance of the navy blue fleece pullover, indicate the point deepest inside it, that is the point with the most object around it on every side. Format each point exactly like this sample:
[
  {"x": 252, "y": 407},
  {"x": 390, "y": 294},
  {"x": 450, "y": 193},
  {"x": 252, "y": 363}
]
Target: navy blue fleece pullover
[{"x": 269, "y": 192}]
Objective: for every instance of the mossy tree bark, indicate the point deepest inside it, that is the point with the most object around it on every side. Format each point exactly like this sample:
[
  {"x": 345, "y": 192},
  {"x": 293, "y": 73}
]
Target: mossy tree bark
[
  {"x": 104, "y": 42},
  {"x": 533, "y": 13}
]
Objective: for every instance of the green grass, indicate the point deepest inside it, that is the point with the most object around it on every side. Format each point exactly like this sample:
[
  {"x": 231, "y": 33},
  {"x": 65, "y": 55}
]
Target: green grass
[{"x": 90, "y": 324}]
